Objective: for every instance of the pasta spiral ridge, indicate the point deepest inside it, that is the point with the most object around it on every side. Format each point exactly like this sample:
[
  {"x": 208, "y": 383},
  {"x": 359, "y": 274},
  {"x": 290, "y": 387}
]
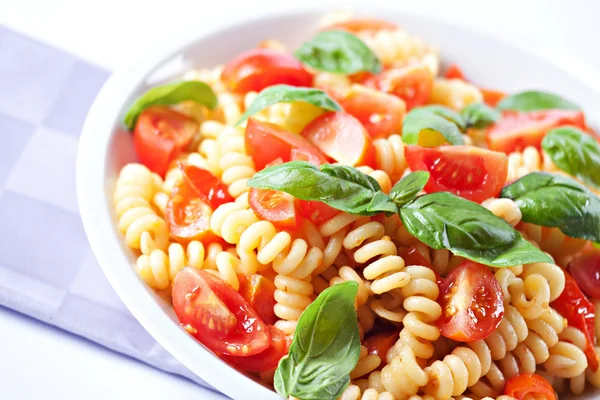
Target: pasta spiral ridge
[
  {"x": 389, "y": 156},
  {"x": 235, "y": 163},
  {"x": 567, "y": 359},
  {"x": 454, "y": 93},
  {"x": 402, "y": 376}
]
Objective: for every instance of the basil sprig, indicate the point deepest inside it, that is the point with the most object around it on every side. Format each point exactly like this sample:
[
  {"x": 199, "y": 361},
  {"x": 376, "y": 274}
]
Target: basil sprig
[
  {"x": 479, "y": 115},
  {"x": 325, "y": 348},
  {"x": 169, "y": 94},
  {"x": 287, "y": 94},
  {"x": 532, "y": 100},
  {"x": 342, "y": 187},
  {"x": 574, "y": 152},
  {"x": 338, "y": 52},
  {"x": 408, "y": 187},
  {"x": 557, "y": 201},
  {"x": 431, "y": 126}
]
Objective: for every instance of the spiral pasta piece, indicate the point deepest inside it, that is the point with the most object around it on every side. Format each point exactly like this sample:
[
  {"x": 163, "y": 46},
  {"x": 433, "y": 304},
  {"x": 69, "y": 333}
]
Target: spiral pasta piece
[
  {"x": 454, "y": 93},
  {"x": 367, "y": 363},
  {"x": 389, "y": 156},
  {"x": 354, "y": 392},
  {"x": 403, "y": 376},
  {"x": 553, "y": 241},
  {"x": 235, "y": 163},
  {"x": 506, "y": 209},
  {"x": 380, "y": 176},
  {"x": 531, "y": 296},
  {"x": 576, "y": 337},
  {"x": 566, "y": 360},
  {"x": 159, "y": 268},
  {"x": 521, "y": 163},
  {"x": 511, "y": 331},
  {"x": 593, "y": 377}
]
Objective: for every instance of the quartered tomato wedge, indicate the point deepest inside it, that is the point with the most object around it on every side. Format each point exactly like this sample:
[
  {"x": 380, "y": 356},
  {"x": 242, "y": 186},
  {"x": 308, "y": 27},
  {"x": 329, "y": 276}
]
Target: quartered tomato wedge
[
  {"x": 586, "y": 271},
  {"x": 472, "y": 303},
  {"x": 454, "y": 72},
  {"x": 268, "y": 359},
  {"x": 160, "y": 135},
  {"x": 188, "y": 214},
  {"x": 579, "y": 312},
  {"x": 532, "y": 385},
  {"x": 257, "y": 69},
  {"x": 210, "y": 188},
  {"x": 413, "y": 83},
  {"x": 361, "y": 25},
  {"x": 340, "y": 136},
  {"x": 267, "y": 142},
  {"x": 518, "y": 130},
  {"x": 218, "y": 316},
  {"x": 470, "y": 172},
  {"x": 259, "y": 291},
  {"x": 380, "y": 113}
]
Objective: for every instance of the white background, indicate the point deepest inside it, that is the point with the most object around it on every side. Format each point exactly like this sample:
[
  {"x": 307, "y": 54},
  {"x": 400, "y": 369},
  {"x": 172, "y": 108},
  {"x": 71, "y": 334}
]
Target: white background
[{"x": 37, "y": 361}]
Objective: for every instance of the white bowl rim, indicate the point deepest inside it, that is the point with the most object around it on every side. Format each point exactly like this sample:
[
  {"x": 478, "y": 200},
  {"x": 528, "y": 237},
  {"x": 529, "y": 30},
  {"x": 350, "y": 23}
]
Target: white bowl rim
[{"x": 97, "y": 217}]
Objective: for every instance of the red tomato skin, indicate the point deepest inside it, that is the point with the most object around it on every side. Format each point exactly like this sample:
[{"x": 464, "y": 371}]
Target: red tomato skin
[
  {"x": 267, "y": 142},
  {"x": 412, "y": 256},
  {"x": 523, "y": 384},
  {"x": 316, "y": 212},
  {"x": 160, "y": 135},
  {"x": 460, "y": 325},
  {"x": 210, "y": 188},
  {"x": 517, "y": 130},
  {"x": 259, "y": 291},
  {"x": 279, "y": 208},
  {"x": 454, "y": 72},
  {"x": 488, "y": 170},
  {"x": 381, "y": 343},
  {"x": 585, "y": 269},
  {"x": 257, "y": 69},
  {"x": 266, "y": 360},
  {"x": 492, "y": 97},
  {"x": 362, "y": 24},
  {"x": 412, "y": 83},
  {"x": 251, "y": 335},
  {"x": 579, "y": 312}
]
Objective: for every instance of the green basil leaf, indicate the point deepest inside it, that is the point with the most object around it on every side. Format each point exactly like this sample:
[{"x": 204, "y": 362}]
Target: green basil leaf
[
  {"x": 574, "y": 152},
  {"x": 325, "y": 348},
  {"x": 342, "y": 187},
  {"x": 422, "y": 122},
  {"x": 171, "y": 93},
  {"x": 408, "y": 187},
  {"x": 287, "y": 94},
  {"x": 533, "y": 100},
  {"x": 479, "y": 115},
  {"x": 445, "y": 112},
  {"x": 339, "y": 52},
  {"x": 445, "y": 221},
  {"x": 557, "y": 201}
]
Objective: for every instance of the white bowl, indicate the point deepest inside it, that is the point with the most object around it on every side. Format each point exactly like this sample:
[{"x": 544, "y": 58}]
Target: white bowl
[{"x": 105, "y": 146}]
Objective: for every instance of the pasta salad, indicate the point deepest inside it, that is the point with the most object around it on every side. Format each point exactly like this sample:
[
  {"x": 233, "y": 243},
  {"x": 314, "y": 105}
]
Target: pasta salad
[{"x": 346, "y": 221}]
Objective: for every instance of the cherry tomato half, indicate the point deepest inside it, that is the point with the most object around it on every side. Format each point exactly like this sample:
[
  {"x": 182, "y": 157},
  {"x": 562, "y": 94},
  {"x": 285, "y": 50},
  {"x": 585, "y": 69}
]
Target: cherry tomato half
[
  {"x": 472, "y": 303},
  {"x": 522, "y": 385},
  {"x": 257, "y": 69},
  {"x": 454, "y": 72},
  {"x": 210, "y": 188},
  {"x": 216, "y": 315},
  {"x": 362, "y": 25},
  {"x": 518, "y": 130},
  {"x": 470, "y": 172},
  {"x": 579, "y": 312},
  {"x": 268, "y": 359},
  {"x": 259, "y": 291},
  {"x": 160, "y": 135},
  {"x": 586, "y": 271},
  {"x": 413, "y": 83}
]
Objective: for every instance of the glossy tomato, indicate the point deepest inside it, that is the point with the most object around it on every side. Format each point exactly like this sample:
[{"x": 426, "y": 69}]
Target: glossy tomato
[
  {"x": 381, "y": 343},
  {"x": 518, "y": 130},
  {"x": 317, "y": 212},
  {"x": 160, "y": 135},
  {"x": 268, "y": 359},
  {"x": 580, "y": 313},
  {"x": 586, "y": 271},
  {"x": 492, "y": 97},
  {"x": 216, "y": 315},
  {"x": 362, "y": 25},
  {"x": 257, "y": 69},
  {"x": 412, "y": 256},
  {"x": 210, "y": 188},
  {"x": 529, "y": 385},
  {"x": 454, "y": 72},
  {"x": 470, "y": 172},
  {"x": 413, "y": 83},
  {"x": 259, "y": 291},
  {"x": 472, "y": 303},
  {"x": 380, "y": 113},
  {"x": 274, "y": 206},
  {"x": 267, "y": 142},
  {"x": 340, "y": 136}
]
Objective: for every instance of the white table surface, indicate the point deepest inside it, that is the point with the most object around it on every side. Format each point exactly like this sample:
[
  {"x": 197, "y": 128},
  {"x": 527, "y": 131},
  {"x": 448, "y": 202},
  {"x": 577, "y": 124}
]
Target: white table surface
[{"x": 38, "y": 361}]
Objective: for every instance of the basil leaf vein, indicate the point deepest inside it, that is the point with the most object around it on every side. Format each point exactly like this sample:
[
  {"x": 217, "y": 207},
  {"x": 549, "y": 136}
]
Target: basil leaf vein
[
  {"x": 479, "y": 115},
  {"x": 421, "y": 125},
  {"x": 339, "y": 52},
  {"x": 574, "y": 152},
  {"x": 443, "y": 220},
  {"x": 325, "y": 348},
  {"x": 168, "y": 94},
  {"x": 408, "y": 187},
  {"x": 533, "y": 100},
  {"x": 287, "y": 94},
  {"x": 559, "y": 202}
]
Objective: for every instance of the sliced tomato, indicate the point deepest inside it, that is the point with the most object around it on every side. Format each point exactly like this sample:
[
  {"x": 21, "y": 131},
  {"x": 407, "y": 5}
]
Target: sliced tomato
[
  {"x": 188, "y": 214},
  {"x": 579, "y": 312},
  {"x": 470, "y": 172},
  {"x": 380, "y": 113},
  {"x": 518, "y": 130},
  {"x": 259, "y": 291},
  {"x": 492, "y": 97},
  {"x": 268, "y": 359},
  {"x": 362, "y": 25},
  {"x": 529, "y": 385},
  {"x": 160, "y": 135},
  {"x": 266, "y": 142},
  {"x": 412, "y": 256},
  {"x": 586, "y": 271},
  {"x": 210, "y": 188},
  {"x": 340, "y": 136},
  {"x": 302, "y": 154},
  {"x": 454, "y": 72},
  {"x": 472, "y": 303},
  {"x": 381, "y": 343},
  {"x": 257, "y": 69},
  {"x": 413, "y": 83},
  {"x": 216, "y": 315},
  {"x": 316, "y": 211}
]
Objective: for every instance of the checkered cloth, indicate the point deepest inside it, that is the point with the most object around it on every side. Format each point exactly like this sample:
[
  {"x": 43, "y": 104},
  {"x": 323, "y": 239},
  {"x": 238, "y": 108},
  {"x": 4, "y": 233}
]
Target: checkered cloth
[{"x": 47, "y": 269}]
